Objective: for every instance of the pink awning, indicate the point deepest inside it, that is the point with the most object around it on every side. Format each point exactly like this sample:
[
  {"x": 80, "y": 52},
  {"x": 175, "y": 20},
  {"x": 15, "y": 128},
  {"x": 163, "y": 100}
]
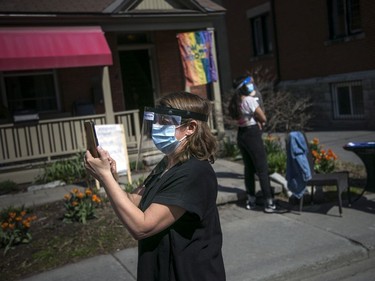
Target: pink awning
[{"x": 52, "y": 47}]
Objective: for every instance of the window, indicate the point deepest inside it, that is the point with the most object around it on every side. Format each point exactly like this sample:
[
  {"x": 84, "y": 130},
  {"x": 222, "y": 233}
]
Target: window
[
  {"x": 30, "y": 91},
  {"x": 348, "y": 100},
  {"x": 260, "y": 27},
  {"x": 344, "y": 18}
]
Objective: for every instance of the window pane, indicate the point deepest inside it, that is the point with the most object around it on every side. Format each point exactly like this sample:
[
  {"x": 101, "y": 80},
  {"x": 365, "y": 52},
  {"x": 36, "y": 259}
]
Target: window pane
[
  {"x": 357, "y": 100},
  {"x": 258, "y": 36},
  {"x": 31, "y": 92},
  {"x": 338, "y": 20},
  {"x": 343, "y": 100},
  {"x": 355, "y": 16},
  {"x": 268, "y": 33}
]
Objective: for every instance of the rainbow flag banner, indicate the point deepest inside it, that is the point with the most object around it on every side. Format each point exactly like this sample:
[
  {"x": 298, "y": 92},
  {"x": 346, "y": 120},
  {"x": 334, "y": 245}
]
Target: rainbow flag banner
[{"x": 197, "y": 58}]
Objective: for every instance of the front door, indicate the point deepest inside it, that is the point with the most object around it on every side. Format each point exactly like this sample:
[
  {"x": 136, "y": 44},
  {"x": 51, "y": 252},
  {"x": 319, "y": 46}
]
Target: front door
[{"x": 137, "y": 79}]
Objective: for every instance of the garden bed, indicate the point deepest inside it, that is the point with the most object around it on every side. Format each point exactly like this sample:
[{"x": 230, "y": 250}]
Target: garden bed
[{"x": 55, "y": 243}]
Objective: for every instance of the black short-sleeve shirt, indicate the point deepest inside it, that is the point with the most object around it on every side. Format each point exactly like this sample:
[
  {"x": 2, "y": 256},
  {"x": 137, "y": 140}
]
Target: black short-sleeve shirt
[{"x": 190, "y": 249}]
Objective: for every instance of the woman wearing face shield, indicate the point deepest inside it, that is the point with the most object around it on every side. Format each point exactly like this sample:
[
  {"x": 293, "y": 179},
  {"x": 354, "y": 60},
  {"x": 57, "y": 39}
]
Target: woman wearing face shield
[
  {"x": 246, "y": 108},
  {"x": 173, "y": 213}
]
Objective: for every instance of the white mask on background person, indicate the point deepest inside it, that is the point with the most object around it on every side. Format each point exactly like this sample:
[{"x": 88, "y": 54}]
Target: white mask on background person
[{"x": 250, "y": 87}]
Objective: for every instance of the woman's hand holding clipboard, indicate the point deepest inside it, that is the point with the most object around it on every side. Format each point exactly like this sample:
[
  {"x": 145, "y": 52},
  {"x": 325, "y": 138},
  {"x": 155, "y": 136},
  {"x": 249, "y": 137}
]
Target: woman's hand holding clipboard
[{"x": 92, "y": 143}]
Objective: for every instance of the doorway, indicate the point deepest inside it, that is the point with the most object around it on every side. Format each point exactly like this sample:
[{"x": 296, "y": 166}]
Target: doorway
[{"x": 136, "y": 79}]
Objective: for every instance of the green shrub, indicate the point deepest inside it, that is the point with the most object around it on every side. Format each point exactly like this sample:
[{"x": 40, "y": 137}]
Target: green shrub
[
  {"x": 277, "y": 162},
  {"x": 231, "y": 150},
  {"x": 7, "y": 187},
  {"x": 276, "y": 155},
  {"x": 80, "y": 206},
  {"x": 68, "y": 170},
  {"x": 272, "y": 144}
]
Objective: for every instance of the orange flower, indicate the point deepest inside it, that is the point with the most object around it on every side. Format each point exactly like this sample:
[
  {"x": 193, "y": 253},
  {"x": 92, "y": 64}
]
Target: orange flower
[
  {"x": 4, "y": 225},
  {"x": 75, "y": 190},
  {"x": 11, "y": 226},
  {"x": 88, "y": 192},
  {"x": 80, "y": 195},
  {"x": 331, "y": 154},
  {"x": 96, "y": 199},
  {"x": 315, "y": 141},
  {"x": 18, "y": 218},
  {"x": 67, "y": 197},
  {"x": 12, "y": 215},
  {"x": 74, "y": 203},
  {"x": 23, "y": 213},
  {"x": 26, "y": 223}
]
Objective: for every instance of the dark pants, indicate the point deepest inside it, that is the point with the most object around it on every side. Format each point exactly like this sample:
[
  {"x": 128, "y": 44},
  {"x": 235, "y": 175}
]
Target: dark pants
[{"x": 254, "y": 156}]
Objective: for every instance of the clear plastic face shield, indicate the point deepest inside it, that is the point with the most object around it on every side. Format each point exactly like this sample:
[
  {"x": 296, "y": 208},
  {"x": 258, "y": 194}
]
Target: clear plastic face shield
[
  {"x": 246, "y": 87},
  {"x": 158, "y": 133}
]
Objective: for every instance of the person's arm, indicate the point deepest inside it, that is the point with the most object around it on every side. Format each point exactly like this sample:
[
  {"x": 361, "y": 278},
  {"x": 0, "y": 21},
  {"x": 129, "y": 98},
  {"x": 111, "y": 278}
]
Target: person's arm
[
  {"x": 260, "y": 116},
  {"x": 140, "y": 224}
]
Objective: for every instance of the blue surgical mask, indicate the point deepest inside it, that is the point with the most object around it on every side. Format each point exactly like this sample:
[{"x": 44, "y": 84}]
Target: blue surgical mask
[
  {"x": 164, "y": 138},
  {"x": 250, "y": 87}
]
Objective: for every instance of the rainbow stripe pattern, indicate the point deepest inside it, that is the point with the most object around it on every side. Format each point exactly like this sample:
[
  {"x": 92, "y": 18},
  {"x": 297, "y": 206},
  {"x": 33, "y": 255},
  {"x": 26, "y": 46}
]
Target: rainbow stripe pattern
[{"x": 197, "y": 58}]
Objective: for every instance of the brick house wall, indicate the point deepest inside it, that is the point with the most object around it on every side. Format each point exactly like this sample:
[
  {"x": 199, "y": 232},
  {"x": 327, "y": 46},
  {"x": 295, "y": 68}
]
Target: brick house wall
[
  {"x": 304, "y": 59},
  {"x": 304, "y": 46},
  {"x": 310, "y": 62},
  {"x": 169, "y": 66},
  {"x": 239, "y": 39}
]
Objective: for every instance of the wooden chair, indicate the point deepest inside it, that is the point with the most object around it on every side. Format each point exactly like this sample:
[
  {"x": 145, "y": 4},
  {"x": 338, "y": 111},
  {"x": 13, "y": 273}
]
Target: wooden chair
[{"x": 338, "y": 179}]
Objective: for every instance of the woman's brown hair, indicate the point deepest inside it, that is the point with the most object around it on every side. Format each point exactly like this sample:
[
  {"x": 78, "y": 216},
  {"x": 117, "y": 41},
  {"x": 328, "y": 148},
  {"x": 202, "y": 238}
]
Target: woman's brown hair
[{"x": 202, "y": 143}]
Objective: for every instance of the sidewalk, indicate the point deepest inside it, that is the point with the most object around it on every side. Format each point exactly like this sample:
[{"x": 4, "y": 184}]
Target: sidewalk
[{"x": 257, "y": 246}]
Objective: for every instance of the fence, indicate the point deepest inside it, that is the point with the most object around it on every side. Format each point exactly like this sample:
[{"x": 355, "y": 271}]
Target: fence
[{"x": 54, "y": 138}]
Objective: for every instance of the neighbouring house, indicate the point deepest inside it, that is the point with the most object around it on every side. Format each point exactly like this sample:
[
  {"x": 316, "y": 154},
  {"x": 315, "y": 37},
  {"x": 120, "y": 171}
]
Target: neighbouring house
[
  {"x": 65, "y": 62},
  {"x": 322, "y": 49}
]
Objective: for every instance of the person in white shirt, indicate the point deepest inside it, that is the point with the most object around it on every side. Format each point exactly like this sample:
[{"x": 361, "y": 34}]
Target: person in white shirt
[{"x": 245, "y": 109}]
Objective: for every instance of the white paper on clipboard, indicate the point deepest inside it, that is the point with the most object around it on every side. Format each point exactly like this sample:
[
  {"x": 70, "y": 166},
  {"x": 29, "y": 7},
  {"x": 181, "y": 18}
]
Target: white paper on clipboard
[{"x": 112, "y": 138}]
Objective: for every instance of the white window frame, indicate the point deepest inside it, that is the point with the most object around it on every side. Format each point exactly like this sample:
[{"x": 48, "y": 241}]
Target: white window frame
[{"x": 335, "y": 97}]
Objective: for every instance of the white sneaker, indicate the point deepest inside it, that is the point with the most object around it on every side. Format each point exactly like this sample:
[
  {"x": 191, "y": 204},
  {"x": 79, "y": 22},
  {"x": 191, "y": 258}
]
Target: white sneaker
[
  {"x": 250, "y": 202},
  {"x": 271, "y": 208}
]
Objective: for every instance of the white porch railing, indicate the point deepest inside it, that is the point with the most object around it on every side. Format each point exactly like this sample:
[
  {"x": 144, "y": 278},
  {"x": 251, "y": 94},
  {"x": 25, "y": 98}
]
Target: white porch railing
[{"x": 49, "y": 139}]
